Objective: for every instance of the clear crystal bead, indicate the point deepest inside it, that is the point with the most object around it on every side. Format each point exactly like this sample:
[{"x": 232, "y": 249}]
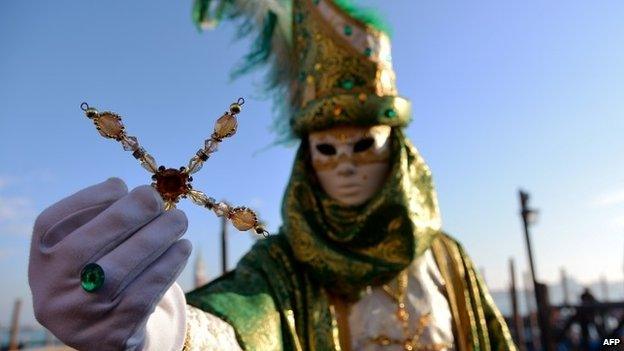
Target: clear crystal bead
[
  {"x": 130, "y": 143},
  {"x": 198, "y": 197},
  {"x": 149, "y": 163},
  {"x": 211, "y": 146},
  {"x": 194, "y": 165},
  {"x": 221, "y": 209}
]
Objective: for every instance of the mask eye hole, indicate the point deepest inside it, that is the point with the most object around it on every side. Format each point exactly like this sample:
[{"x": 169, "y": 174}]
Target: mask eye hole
[
  {"x": 326, "y": 149},
  {"x": 363, "y": 144}
]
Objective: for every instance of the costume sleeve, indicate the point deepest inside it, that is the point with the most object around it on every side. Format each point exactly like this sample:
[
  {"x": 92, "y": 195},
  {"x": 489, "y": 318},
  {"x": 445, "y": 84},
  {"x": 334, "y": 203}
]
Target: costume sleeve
[
  {"x": 243, "y": 299},
  {"x": 498, "y": 336},
  {"x": 175, "y": 326},
  {"x": 166, "y": 325},
  {"x": 205, "y": 331},
  {"x": 254, "y": 299}
]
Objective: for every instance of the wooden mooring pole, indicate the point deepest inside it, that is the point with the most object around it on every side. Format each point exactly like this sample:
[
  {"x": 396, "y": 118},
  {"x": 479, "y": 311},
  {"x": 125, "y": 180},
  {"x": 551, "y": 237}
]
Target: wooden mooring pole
[
  {"x": 541, "y": 290},
  {"x": 224, "y": 246},
  {"x": 518, "y": 322},
  {"x": 14, "y": 331}
]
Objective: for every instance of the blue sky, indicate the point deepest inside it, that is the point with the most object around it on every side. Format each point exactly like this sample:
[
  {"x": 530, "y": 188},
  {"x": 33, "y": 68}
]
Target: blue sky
[{"x": 506, "y": 95}]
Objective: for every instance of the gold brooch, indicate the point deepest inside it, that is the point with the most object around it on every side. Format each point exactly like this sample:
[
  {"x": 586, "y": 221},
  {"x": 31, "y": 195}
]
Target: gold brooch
[{"x": 174, "y": 184}]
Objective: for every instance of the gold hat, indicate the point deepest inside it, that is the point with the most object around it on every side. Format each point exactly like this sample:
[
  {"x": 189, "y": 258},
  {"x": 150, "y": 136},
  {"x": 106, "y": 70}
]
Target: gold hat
[{"x": 333, "y": 63}]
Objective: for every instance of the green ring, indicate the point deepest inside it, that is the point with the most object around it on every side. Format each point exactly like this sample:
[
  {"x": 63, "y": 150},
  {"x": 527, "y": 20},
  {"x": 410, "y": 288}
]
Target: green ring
[{"x": 92, "y": 277}]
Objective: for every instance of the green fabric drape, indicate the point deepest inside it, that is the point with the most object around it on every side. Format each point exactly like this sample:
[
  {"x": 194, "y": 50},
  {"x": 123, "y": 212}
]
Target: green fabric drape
[
  {"x": 277, "y": 297},
  {"x": 275, "y": 304},
  {"x": 349, "y": 248}
]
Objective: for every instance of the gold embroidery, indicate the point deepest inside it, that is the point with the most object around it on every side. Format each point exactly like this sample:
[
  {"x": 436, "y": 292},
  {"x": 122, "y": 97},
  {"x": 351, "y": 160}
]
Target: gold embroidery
[
  {"x": 413, "y": 342},
  {"x": 343, "y": 71}
]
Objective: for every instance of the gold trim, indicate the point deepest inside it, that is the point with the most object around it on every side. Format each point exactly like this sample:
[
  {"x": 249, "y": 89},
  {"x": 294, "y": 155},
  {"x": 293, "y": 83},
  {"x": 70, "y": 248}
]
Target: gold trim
[
  {"x": 340, "y": 310},
  {"x": 363, "y": 158},
  {"x": 393, "y": 111},
  {"x": 451, "y": 269}
]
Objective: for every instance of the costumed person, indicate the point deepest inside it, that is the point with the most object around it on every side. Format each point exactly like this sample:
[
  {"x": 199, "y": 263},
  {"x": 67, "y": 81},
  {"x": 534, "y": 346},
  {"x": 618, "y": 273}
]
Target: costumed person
[{"x": 360, "y": 262}]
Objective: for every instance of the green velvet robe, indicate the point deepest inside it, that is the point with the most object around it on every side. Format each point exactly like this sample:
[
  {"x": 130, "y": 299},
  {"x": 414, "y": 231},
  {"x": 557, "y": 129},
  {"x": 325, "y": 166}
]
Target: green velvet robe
[{"x": 274, "y": 303}]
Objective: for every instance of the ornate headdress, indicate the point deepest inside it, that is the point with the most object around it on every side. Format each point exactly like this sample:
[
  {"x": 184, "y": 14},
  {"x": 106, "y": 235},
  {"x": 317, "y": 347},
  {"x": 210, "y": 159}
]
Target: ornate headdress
[{"x": 331, "y": 59}]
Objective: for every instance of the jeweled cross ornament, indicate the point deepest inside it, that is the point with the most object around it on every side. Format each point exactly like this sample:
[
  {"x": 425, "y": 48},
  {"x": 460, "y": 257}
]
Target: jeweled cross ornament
[{"x": 171, "y": 183}]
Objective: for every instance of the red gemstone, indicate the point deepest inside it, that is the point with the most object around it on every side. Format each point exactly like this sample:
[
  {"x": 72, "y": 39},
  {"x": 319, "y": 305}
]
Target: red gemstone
[{"x": 171, "y": 183}]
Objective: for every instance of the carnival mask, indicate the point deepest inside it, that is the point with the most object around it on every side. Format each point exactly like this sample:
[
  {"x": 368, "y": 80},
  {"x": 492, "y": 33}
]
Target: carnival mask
[{"x": 351, "y": 163}]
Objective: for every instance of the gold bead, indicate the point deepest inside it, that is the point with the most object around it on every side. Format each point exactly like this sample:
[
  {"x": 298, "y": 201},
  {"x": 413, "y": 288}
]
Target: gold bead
[
  {"x": 337, "y": 110},
  {"x": 402, "y": 315},
  {"x": 91, "y": 112},
  {"x": 235, "y": 108}
]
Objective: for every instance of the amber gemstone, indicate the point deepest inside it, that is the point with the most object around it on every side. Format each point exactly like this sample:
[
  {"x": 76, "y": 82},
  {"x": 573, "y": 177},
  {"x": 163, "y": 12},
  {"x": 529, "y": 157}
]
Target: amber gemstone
[
  {"x": 402, "y": 315},
  {"x": 171, "y": 183},
  {"x": 243, "y": 218},
  {"x": 225, "y": 126},
  {"x": 109, "y": 125}
]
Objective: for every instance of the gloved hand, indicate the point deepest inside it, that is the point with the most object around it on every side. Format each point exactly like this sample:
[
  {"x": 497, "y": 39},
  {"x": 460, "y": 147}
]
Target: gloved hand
[{"x": 134, "y": 241}]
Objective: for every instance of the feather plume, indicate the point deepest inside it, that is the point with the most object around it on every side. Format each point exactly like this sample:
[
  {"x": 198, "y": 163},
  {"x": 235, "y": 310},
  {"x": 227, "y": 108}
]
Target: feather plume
[{"x": 271, "y": 22}]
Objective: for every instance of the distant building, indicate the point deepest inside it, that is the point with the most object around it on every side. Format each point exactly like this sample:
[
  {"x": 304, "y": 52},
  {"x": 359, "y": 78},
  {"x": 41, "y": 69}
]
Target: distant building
[{"x": 200, "y": 275}]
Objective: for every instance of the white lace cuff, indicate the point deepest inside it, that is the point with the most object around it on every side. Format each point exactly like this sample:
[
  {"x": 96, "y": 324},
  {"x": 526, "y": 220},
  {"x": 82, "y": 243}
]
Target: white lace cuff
[{"x": 205, "y": 331}]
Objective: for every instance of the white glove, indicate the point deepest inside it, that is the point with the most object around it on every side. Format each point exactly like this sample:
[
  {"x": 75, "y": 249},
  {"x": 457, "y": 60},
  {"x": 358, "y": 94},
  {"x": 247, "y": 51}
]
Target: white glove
[{"x": 133, "y": 240}]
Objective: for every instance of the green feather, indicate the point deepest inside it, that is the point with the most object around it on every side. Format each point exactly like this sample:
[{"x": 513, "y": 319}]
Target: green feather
[
  {"x": 260, "y": 50},
  {"x": 208, "y": 13},
  {"x": 366, "y": 15},
  {"x": 205, "y": 11}
]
